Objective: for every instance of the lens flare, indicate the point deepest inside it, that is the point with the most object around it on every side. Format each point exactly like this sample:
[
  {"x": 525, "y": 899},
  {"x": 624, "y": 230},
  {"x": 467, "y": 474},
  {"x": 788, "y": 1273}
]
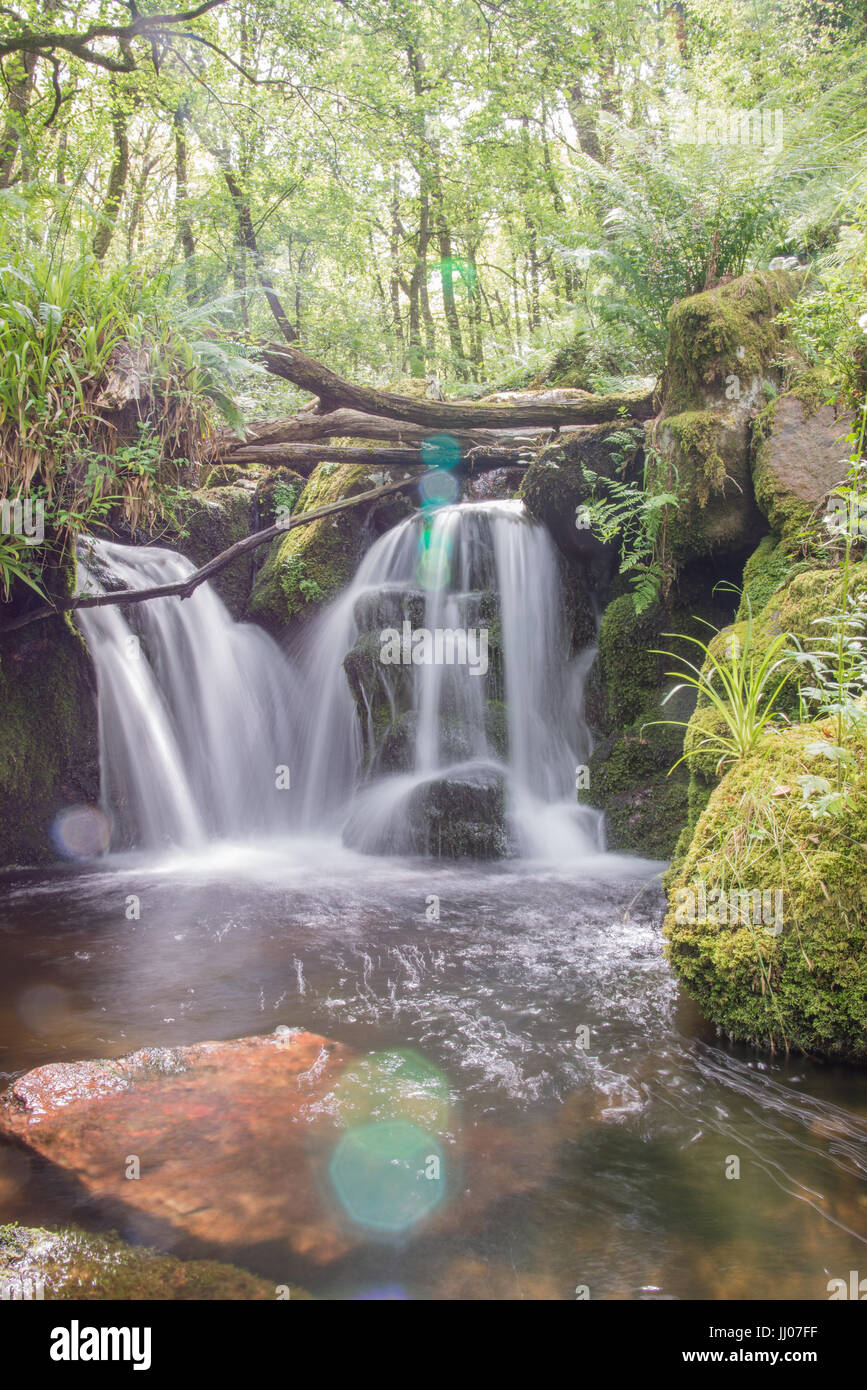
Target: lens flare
[
  {"x": 438, "y": 488},
  {"x": 433, "y": 569},
  {"x": 441, "y": 451},
  {"x": 398, "y": 1085},
  {"x": 80, "y": 832},
  {"x": 44, "y": 1009},
  {"x": 389, "y": 1176}
]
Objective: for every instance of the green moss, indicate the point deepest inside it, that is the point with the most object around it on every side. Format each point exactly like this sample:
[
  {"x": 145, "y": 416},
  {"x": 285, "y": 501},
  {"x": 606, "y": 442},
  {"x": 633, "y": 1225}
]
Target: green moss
[
  {"x": 629, "y": 670},
  {"x": 629, "y": 780},
  {"x": 769, "y": 566},
  {"x": 309, "y": 565},
  {"x": 48, "y": 736},
  {"x": 76, "y": 1264},
  {"x": 807, "y": 986},
  {"x": 704, "y": 458},
  {"x": 729, "y": 330},
  {"x": 813, "y": 389},
  {"x": 213, "y": 519}
]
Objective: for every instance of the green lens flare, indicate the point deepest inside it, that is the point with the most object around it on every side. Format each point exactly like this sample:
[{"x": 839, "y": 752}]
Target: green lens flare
[{"x": 389, "y": 1176}]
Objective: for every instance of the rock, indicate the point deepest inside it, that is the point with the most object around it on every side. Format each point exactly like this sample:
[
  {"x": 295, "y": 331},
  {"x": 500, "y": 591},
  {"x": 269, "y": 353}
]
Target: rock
[
  {"x": 214, "y": 519},
  {"x": 308, "y": 566},
  {"x": 232, "y": 1138},
  {"x": 554, "y": 488},
  {"x": 74, "y": 1264},
  {"x": 703, "y": 457},
  {"x": 720, "y": 370},
  {"x": 805, "y": 985},
  {"x": 799, "y": 455},
  {"x": 461, "y": 816},
  {"x": 49, "y": 754}
]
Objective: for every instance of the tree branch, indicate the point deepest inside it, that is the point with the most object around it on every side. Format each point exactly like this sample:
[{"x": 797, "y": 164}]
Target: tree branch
[{"x": 183, "y": 588}]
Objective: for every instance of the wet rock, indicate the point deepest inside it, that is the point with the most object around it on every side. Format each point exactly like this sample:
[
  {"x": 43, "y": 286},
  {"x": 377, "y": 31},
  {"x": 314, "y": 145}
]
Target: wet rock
[
  {"x": 49, "y": 756},
  {"x": 461, "y": 816},
  {"x": 75, "y": 1264},
  {"x": 230, "y": 1138},
  {"x": 213, "y": 519}
]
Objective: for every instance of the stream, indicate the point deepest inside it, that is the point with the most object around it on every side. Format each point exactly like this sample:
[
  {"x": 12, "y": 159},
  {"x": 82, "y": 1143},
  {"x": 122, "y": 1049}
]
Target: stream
[{"x": 600, "y": 1137}]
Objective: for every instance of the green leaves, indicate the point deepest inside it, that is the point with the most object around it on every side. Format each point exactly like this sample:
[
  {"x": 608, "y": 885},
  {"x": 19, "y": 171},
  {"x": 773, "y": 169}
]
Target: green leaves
[{"x": 742, "y": 686}]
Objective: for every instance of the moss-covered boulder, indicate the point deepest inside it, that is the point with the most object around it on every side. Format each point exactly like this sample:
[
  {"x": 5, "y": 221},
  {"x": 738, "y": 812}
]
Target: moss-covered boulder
[
  {"x": 767, "y": 924},
  {"x": 212, "y": 519},
  {"x": 722, "y": 366},
  {"x": 805, "y": 594},
  {"x": 723, "y": 344},
  {"x": 79, "y": 1265},
  {"x": 49, "y": 754},
  {"x": 630, "y": 779},
  {"x": 556, "y": 487},
  {"x": 308, "y": 566},
  {"x": 799, "y": 454},
  {"x": 702, "y": 456}
]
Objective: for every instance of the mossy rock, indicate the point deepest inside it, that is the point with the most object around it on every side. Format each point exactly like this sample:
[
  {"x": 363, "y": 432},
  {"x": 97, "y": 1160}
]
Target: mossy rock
[
  {"x": 630, "y": 779},
  {"x": 77, "y": 1265},
  {"x": 555, "y": 487},
  {"x": 630, "y": 672},
  {"x": 49, "y": 754},
  {"x": 725, "y": 332},
  {"x": 229, "y": 475},
  {"x": 804, "y": 986},
  {"x": 769, "y": 566},
  {"x": 309, "y": 566},
  {"x": 799, "y": 455},
  {"x": 703, "y": 457},
  {"x": 213, "y": 519}
]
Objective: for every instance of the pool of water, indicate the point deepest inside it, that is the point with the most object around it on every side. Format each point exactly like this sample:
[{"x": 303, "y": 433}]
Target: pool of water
[{"x": 600, "y": 1165}]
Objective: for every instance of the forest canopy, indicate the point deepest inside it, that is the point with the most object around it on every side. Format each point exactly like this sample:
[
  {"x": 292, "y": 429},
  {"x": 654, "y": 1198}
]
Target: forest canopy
[{"x": 449, "y": 188}]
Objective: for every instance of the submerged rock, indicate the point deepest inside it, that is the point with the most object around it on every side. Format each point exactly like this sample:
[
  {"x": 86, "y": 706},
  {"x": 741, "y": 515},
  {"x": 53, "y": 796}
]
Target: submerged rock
[
  {"x": 230, "y": 1139},
  {"x": 74, "y": 1264}
]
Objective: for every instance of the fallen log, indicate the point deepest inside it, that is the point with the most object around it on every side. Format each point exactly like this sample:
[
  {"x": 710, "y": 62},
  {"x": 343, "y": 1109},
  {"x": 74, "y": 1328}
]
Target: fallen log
[
  {"x": 183, "y": 588},
  {"x": 334, "y": 392},
  {"x": 306, "y": 427},
  {"x": 303, "y": 457}
]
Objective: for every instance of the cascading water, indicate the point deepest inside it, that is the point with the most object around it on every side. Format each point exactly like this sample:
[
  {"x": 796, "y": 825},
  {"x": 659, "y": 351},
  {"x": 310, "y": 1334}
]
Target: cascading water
[
  {"x": 195, "y": 710},
  {"x": 473, "y": 753},
  {"x": 440, "y": 742}
]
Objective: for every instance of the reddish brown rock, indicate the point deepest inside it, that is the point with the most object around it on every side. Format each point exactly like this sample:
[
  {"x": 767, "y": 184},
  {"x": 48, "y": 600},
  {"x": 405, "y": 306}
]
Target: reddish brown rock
[
  {"x": 231, "y": 1137},
  {"x": 800, "y": 455}
]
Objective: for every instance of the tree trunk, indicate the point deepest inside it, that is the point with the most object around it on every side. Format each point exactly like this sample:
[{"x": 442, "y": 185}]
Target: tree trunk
[{"x": 116, "y": 179}]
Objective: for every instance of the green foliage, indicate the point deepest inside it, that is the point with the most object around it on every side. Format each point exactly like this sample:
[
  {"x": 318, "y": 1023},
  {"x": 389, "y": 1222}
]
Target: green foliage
[
  {"x": 739, "y": 685},
  {"x": 636, "y": 517},
  {"x": 836, "y": 657},
  {"x": 829, "y": 324},
  {"x": 105, "y": 397}
]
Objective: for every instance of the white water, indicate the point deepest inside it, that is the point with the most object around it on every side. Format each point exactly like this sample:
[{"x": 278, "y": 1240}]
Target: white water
[
  {"x": 197, "y": 712},
  {"x": 444, "y": 563}
]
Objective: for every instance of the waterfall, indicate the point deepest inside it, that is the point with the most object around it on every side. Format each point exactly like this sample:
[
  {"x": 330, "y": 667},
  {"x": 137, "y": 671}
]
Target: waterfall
[
  {"x": 471, "y": 752},
  {"x": 437, "y": 743},
  {"x": 195, "y": 710}
]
